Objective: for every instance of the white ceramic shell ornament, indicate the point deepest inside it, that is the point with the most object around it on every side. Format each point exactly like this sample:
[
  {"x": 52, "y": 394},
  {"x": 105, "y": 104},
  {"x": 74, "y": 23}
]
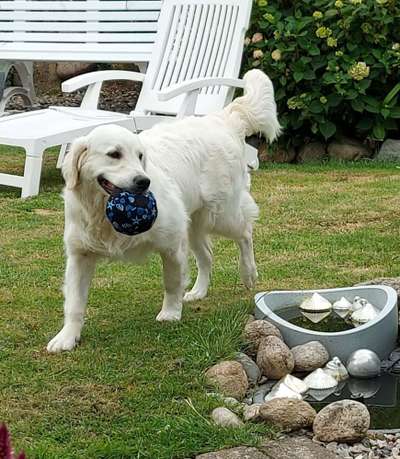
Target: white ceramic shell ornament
[
  {"x": 316, "y": 308},
  {"x": 336, "y": 369},
  {"x": 318, "y": 379},
  {"x": 321, "y": 394},
  {"x": 282, "y": 391},
  {"x": 365, "y": 314},
  {"x": 295, "y": 384},
  {"x": 358, "y": 303},
  {"x": 342, "y": 307}
]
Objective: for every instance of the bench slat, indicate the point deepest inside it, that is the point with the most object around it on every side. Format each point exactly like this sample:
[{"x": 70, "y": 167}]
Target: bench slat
[
  {"x": 94, "y": 5},
  {"x": 78, "y": 16},
  {"x": 85, "y": 52},
  {"x": 77, "y": 37},
  {"x": 19, "y": 26}
]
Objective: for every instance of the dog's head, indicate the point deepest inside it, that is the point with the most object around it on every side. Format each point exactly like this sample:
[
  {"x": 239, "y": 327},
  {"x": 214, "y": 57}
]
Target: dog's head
[{"x": 110, "y": 158}]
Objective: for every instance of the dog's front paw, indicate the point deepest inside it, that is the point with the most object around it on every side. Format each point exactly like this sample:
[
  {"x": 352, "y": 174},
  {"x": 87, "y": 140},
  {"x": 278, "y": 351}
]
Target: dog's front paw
[
  {"x": 249, "y": 278},
  {"x": 194, "y": 295},
  {"x": 65, "y": 340},
  {"x": 169, "y": 316}
]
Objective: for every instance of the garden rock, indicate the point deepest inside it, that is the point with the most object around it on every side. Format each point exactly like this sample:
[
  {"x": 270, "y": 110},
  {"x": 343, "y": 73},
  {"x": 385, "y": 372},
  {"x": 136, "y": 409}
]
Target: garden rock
[
  {"x": 242, "y": 452},
  {"x": 298, "y": 447},
  {"x": 342, "y": 421},
  {"x": 274, "y": 358},
  {"x": 390, "y": 151},
  {"x": 225, "y": 418},
  {"x": 70, "y": 69},
  {"x": 229, "y": 377},
  {"x": 261, "y": 391},
  {"x": 348, "y": 149},
  {"x": 309, "y": 356},
  {"x": 279, "y": 154},
  {"x": 251, "y": 412},
  {"x": 252, "y": 371},
  {"x": 257, "y": 330},
  {"x": 312, "y": 152},
  {"x": 289, "y": 414}
]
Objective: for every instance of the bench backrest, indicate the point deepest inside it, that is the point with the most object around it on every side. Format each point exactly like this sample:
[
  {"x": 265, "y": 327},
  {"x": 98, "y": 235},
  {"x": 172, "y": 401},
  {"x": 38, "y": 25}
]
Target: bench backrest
[
  {"x": 82, "y": 30},
  {"x": 196, "y": 39}
]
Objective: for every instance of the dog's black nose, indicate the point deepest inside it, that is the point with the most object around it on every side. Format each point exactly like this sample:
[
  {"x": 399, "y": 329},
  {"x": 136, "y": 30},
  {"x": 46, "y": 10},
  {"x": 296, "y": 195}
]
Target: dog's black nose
[{"x": 141, "y": 183}]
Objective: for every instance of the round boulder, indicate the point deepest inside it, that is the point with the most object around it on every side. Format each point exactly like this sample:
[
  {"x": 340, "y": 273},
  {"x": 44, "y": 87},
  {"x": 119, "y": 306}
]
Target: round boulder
[
  {"x": 229, "y": 377},
  {"x": 309, "y": 356},
  {"x": 345, "y": 421},
  {"x": 274, "y": 358},
  {"x": 255, "y": 331},
  {"x": 289, "y": 414},
  {"x": 225, "y": 418},
  {"x": 252, "y": 371}
]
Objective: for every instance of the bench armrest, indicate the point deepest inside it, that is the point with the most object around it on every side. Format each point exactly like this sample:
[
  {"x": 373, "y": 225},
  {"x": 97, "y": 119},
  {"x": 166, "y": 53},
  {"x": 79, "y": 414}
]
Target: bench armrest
[
  {"x": 87, "y": 79},
  {"x": 192, "y": 88},
  {"x": 94, "y": 81}
]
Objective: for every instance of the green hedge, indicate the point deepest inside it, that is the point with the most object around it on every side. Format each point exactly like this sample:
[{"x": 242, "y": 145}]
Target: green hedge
[{"x": 335, "y": 65}]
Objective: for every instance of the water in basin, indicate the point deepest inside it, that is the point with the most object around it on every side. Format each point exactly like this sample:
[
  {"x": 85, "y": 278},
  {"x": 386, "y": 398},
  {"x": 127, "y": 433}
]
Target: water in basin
[{"x": 332, "y": 323}]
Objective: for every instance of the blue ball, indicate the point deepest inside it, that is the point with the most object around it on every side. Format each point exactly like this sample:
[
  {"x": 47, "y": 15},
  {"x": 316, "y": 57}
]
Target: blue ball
[{"x": 131, "y": 213}]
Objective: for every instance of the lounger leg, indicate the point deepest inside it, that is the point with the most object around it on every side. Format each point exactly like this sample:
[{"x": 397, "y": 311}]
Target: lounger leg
[
  {"x": 63, "y": 151},
  {"x": 32, "y": 172}
]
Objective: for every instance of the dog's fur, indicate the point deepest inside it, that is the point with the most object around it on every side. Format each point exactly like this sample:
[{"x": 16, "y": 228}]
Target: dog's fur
[{"x": 199, "y": 178}]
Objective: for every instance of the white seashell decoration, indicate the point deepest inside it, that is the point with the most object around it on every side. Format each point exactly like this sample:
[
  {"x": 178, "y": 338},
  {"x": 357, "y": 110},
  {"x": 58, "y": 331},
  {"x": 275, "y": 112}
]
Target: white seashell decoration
[
  {"x": 315, "y": 308},
  {"x": 316, "y": 303},
  {"x": 365, "y": 314},
  {"x": 281, "y": 390},
  {"x": 315, "y": 317},
  {"x": 358, "y": 303},
  {"x": 336, "y": 369},
  {"x": 342, "y": 307},
  {"x": 295, "y": 384},
  {"x": 318, "y": 379},
  {"x": 321, "y": 394}
]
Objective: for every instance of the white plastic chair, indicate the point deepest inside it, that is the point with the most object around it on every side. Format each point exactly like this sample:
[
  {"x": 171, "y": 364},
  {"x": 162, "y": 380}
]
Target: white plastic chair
[{"x": 193, "y": 70}]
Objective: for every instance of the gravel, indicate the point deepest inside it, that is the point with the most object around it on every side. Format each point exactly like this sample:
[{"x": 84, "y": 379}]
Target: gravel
[{"x": 116, "y": 96}]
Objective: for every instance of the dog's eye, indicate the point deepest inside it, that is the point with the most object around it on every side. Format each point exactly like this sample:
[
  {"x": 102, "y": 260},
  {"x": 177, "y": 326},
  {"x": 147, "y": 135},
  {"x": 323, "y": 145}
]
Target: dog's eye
[
  {"x": 140, "y": 156},
  {"x": 114, "y": 154}
]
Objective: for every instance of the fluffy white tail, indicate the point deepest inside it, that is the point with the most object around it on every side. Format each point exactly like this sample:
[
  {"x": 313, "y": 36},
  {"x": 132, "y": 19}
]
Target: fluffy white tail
[{"x": 255, "y": 111}]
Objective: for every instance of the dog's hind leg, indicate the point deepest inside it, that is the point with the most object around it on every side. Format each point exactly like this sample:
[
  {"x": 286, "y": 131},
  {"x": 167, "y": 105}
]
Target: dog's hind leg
[
  {"x": 248, "y": 268},
  {"x": 78, "y": 275},
  {"x": 174, "y": 272},
  {"x": 239, "y": 227},
  {"x": 201, "y": 246}
]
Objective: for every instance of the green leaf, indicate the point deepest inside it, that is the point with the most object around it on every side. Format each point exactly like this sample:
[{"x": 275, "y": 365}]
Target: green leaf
[
  {"x": 379, "y": 131},
  {"x": 327, "y": 129},
  {"x": 393, "y": 93},
  {"x": 385, "y": 112},
  {"x": 313, "y": 50},
  {"x": 357, "y": 105},
  {"x": 334, "y": 100},
  {"x": 395, "y": 112},
  {"x": 309, "y": 74},
  {"x": 316, "y": 107},
  {"x": 298, "y": 76}
]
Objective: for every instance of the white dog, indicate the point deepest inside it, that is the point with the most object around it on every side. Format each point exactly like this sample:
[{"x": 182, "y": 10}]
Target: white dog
[{"x": 197, "y": 171}]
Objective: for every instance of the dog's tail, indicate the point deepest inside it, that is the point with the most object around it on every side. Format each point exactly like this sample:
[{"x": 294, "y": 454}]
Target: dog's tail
[{"x": 255, "y": 111}]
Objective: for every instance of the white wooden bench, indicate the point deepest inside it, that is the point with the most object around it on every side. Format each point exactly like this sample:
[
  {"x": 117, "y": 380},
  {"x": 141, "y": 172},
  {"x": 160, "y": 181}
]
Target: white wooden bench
[{"x": 72, "y": 30}]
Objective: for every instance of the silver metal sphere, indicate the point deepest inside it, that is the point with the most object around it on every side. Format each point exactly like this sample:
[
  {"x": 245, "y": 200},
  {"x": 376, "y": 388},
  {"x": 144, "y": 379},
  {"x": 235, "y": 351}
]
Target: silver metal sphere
[{"x": 363, "y": 363}]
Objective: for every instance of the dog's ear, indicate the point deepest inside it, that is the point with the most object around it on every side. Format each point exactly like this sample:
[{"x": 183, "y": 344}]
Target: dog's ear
[{"x": 73, "y": 162}]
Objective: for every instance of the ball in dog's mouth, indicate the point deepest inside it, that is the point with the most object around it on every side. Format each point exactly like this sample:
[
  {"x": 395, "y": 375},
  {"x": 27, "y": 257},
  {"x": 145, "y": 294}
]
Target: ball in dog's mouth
[{"x": 132, "y": 213}]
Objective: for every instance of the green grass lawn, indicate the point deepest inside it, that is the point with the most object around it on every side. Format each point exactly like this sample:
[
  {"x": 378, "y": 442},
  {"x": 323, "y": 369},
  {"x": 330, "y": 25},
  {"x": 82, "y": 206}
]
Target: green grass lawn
[{"x": 134, "y": 388}]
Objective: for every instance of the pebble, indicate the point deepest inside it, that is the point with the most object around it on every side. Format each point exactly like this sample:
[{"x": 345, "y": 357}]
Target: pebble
[{"x": 225, "y": 418}]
